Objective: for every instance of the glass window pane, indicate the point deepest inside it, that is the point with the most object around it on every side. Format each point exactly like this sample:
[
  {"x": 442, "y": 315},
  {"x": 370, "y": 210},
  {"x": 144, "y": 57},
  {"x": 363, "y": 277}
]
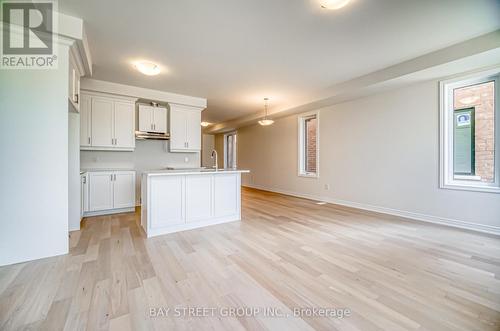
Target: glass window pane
[
  {"x": 310, "y": 144},
  {"x": 474, "y": 132}
]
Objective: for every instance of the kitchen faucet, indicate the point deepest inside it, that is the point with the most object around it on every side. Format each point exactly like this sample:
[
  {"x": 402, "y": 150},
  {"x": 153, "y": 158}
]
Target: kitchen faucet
[{"x": 214, "y": 152}]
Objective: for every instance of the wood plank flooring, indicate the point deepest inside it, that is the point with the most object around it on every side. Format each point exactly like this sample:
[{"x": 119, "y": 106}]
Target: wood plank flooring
[{"x": 286, "y": 253}]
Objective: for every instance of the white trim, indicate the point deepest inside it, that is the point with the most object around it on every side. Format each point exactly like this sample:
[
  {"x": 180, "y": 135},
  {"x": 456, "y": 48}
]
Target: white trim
[
  {"x": 495, "y": 230},
  {"x": 447, "y": 180},
  {"x": 109, "y": 212},
  {"x": 300, "y": 141},
  {"x": 143, "y": 93}
]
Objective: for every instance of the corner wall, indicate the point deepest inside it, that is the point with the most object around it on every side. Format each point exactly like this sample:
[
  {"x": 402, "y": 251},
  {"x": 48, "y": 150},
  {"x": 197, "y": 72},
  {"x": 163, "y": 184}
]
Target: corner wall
[
  {"x": 379, "y": 153},
  {"x": 34, "y": 162}
]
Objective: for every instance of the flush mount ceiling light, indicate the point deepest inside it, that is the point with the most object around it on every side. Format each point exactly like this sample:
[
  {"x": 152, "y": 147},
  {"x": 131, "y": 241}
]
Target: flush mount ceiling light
[
  {"x": 333, "y": 4},
  {"x": 147, "y": 68},
  {"x": 205, "y": 124},
  {"x": 265, "y": 121}
]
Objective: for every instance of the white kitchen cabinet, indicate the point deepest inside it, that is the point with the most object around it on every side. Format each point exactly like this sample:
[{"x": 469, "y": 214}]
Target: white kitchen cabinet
[
  {"x": 124, "y": 124},
  {"x": 101, "y": 191},
  {"x": 107, "y": 123},
  {"x": 85, "y": 125},
  {"x": 185, "y": 129},
  {"x": 102, "y": 122},
  {"x": 123, "y": 189},
  {"x": 152, "y": 119},
  {"x": 74, "y": 84},
  {"x": 167, "y": 202},
  {"x": 110, "y": 191},
  {"x": 84, "y": 194}
]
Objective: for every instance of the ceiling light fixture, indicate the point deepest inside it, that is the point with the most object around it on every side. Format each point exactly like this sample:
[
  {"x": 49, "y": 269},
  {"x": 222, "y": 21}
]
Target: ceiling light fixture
[
  {"x": 265, "y": 121},
  {"x": 333, "y": 4},
  {"x": 147, "y": 68},
  {"x": 205, "y": 124}
]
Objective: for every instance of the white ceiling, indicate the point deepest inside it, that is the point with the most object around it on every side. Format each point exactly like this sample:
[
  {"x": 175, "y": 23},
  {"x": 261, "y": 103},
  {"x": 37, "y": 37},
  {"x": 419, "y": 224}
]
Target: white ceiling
[{"x": 236, "y": 52}]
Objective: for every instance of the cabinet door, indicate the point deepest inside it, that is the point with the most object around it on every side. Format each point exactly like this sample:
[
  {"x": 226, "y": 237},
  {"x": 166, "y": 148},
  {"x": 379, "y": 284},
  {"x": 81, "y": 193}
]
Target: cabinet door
[
  {"x": 166, "y": 206},
  {"x": 124, "y": 124},
  {"x": 102, "y": 122},
  {"x": 177, "y": 129},
  {"x": 193, "y": 130},
  {"x": 145, "y": 118},
  {"x": 198, "y": 197},
  {"x": 101, "y": 191},
  {"x": 226, "y": 194},
  {"x": 124, "y": 189},
  {"x": 85, "y": 122},
  {"x": 160, "y": 119},
  {"x": 85, "y": 193}
]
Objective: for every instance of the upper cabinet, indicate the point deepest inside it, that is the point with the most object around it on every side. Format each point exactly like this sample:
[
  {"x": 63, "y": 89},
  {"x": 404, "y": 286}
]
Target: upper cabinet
[
  {"x": 185, "y": 129},
  {"x": 106, "y": 122},
  {"x": 74, "y": 84},
  {"x": 152, "y": 119}
]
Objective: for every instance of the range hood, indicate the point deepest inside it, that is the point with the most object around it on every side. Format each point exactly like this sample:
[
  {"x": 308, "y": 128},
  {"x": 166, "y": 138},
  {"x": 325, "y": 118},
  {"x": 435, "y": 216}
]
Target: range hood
[{"x": 143, "y": 135}]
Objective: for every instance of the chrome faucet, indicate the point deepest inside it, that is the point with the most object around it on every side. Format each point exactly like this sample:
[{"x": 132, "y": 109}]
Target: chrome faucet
[{"x": 214, "y": 152}]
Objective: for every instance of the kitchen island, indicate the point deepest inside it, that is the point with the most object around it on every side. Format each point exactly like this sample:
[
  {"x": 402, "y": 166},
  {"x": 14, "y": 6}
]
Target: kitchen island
[{"x": 177, "y": 200}]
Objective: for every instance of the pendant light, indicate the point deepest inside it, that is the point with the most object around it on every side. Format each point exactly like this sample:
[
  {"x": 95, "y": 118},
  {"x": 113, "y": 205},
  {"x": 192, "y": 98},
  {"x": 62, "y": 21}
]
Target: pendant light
[{"x": 265, "y": 121}]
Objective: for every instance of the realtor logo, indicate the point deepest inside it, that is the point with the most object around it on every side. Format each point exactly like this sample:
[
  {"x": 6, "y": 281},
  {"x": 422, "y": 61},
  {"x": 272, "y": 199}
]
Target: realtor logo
[{"x": 28, "y": 35}]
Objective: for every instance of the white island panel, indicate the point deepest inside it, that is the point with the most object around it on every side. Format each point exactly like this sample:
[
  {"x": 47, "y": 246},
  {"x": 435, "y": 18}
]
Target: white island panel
[
  {"x": 199, "y": 198},
  {"x": 166, "y": 202},
  {"x": 176, "y": 201}
]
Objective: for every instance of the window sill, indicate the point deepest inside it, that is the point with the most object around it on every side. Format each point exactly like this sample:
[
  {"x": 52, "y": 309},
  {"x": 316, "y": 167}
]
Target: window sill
[
  {"x": 470, "y": 188},
  {"x": 308, "y": 175},
  {"x": 466, "y": 177}
]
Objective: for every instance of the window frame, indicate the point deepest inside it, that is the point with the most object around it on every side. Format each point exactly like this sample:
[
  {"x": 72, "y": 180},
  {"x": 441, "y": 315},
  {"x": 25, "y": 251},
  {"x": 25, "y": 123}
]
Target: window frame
[
  {"x": 448, "y": 180},
  {"x": 235, "y": 149},
  {"x": 301, "y": 142}
]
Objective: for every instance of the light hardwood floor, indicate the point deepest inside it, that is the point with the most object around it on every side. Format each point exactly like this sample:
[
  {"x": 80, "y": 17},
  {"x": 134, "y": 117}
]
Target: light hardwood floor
[{"x": 287, "y": 252}]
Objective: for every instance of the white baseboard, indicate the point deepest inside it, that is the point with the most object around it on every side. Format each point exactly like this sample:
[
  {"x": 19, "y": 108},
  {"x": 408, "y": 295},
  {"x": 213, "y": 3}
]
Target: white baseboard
[{"x": 395, "y": 212}]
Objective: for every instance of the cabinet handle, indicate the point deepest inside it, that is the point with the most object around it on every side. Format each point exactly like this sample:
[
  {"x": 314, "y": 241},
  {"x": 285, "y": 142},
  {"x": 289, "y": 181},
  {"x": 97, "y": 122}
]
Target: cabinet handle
[
  {"x": 85, "y": 180},
  {"x": 111, "y": 177},
  {"x": 89, "y": 140},
  {"x": 75, "y": 98},
  {"x": 151, "y": 126}
]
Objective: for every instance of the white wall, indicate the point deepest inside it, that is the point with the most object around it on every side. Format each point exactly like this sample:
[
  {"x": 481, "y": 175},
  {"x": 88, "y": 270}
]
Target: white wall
[
  {"x": 379, "y": 152},
  {"x": 34, "y": 162},
  {"x": 207, "y": 146},
  {"x": 73, "y": 171},
  {"x": 148, "y": 155}
]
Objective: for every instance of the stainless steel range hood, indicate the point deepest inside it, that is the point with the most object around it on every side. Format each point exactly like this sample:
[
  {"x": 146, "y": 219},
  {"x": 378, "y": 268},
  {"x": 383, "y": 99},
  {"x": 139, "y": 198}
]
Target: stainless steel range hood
[{"x": 142, "y": 135}]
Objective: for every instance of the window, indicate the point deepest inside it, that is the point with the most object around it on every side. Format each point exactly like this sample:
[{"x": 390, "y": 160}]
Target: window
[
  {"x": 309, "y": 145},
  {"x": 470, "y": 131},
  {"x": 230, "y": 150}
]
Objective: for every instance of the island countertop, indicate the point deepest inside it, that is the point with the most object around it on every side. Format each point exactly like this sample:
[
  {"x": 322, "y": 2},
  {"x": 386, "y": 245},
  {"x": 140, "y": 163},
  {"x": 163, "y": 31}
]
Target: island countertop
[{"x": 200, "y": 171}]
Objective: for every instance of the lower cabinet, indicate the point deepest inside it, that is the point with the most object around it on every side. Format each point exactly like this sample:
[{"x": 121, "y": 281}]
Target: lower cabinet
[
  {"x": 84, "y": 194},
  {"x": 111, "y": 190}
]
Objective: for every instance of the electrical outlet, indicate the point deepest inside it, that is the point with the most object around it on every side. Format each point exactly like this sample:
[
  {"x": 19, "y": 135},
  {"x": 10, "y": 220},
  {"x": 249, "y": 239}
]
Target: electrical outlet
[{"x": 327, "y": 187}]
